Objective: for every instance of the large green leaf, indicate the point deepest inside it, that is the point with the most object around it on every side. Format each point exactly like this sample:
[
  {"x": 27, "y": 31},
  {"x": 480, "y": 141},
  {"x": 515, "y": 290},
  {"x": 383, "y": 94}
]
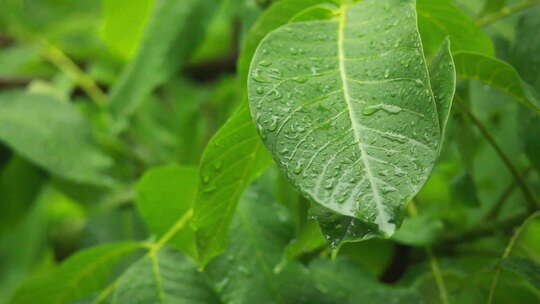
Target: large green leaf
[
  {"x": 164, "y": 194},
  {"x": 347, "y": 109},
  {"x": 498, "y": 74},
  {"x": 162, "y": 277},
  {"x": 81, "y": 275},
  {"x": 54, "y": 135},
  {"x": 233, "y": 158},
  {"x": 174, "y": 31},
  {"x": 438, "y": 19}
]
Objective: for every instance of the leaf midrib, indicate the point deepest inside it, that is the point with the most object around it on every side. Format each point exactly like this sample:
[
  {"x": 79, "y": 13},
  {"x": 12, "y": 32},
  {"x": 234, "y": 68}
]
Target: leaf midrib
[{"x": 382, "y": 217}]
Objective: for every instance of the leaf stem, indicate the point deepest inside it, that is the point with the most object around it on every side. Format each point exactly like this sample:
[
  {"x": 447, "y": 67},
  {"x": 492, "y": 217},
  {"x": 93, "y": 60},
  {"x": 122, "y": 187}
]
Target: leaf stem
[
  {"x": 505, "y": 11},
  {"x": 65, "y": 64},
  {"x": 507, "y": 252},
  {"x": 529, "y": 195}
]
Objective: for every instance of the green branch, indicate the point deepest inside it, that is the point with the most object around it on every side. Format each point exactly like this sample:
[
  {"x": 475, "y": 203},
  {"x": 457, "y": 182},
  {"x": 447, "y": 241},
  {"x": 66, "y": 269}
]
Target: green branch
[{"x": 505, "y": 11}]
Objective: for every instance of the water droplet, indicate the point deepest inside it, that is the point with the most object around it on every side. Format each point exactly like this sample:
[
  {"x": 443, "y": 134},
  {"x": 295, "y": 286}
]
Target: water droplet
[
  {"x": 265, "y": 63},
  {"x": 218, "y": 164},
  {"x": 260, "y": 90},
  {"x": 391, "y": 109},
  {"x": 386, "y": 73}
]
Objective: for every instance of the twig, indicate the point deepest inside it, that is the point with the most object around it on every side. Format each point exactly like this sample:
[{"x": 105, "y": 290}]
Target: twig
[
  {"x": 507, "y": 252},
  {"x": 527, "y": 193},
  {"x": 65, "y": 64},
  {"x": 505, "y": 11}
]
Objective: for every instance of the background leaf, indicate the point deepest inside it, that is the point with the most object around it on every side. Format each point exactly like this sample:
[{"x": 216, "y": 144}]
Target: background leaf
[
  {"x": 162, "y": 52},
  {"x": 233, "y": 158},
  {"x": 165, "y": 194},
  {"x": 54, "y": 135}
]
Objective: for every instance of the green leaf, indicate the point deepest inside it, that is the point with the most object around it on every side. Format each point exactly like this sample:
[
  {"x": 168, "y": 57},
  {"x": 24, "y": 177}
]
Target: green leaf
[
  {"x": 245, "y": 272},
  {"x": 170, "y": 39},
  {"x": 526, "y": 268},
  {"x": 496, "y": 73},
  {"x": 347, "y": 110},
  {"x": 20, "y": 183},
  {"x": 54, "y": 135},
  {"x": 31, "y": 234},
  {"x": 443, "y": 80},
  {"x": 165, "y": 276},
  {"x": 278, "y": 14},
  {"x": 438, "y": 19},
  {"x": 123, "y": 24},
  {"x": 164, "y": 194},
  {"x": 464, "y": 190},
  {"x": 80, "y": 276},
  {"x": 234, "y": 157}
]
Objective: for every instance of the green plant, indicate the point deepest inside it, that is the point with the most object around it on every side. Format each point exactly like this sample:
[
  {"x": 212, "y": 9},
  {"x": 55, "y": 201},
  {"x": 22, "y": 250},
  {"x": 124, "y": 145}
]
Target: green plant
[{"x": 285, "y": 151}]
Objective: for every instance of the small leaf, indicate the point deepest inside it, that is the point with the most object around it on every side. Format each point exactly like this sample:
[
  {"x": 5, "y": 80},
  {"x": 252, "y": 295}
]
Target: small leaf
[
  {"x": 498, "y": 74},
  {"x": 353, "y": 121},
  {"x": 438, "y": 19},
  {"x": 54, "y": 135},
  {"x": 234, "y": 157},
  {"x": 165, "y": 276},
  {"x": 163, "y": 50},
  {"x": 464, "y": 190},
  {"x": 163, "y": 195},
  {"x": 80, "y": 276}
]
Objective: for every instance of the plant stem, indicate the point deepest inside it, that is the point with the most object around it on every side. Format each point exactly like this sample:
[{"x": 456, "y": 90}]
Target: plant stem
[
  {"x": 507, "y": 252},
  {"x": 65, "y": 64},
  {"x": 505, "y": 11},
  {"x": 529, "y": 195}
]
